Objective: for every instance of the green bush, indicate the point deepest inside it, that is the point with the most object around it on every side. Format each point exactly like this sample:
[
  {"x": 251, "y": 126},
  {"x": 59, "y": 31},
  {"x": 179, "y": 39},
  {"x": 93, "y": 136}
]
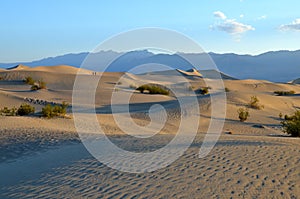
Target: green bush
[
  {"x": 25, "y": 109},
  {"x": 42, "y": 84},
  {"x": 34, "y": 87},
  {"x": 283, "y": 93},
  {"x": 8, "y": 112},
  {"x": 29, "y": 80},
  {"x": 153, "y": 89},
  {"x": 55, "y": 111},
  {"x": 254, "y": 103},
  {"x": 204, "y": 90},
  {"x": 291, "y": 124},
  {"x": 243, "y": 114}
]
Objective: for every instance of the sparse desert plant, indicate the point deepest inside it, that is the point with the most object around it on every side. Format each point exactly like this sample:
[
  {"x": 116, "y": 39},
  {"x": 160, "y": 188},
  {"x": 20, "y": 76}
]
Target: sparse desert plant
[
  {"x": 42, "y": 84},
  {"x": 291, "y": 124},
  {"x": 29, "y": 80},
  {"x": 243, "y": 114},
  {"x": 34, "y": 87},
  {"x": 55, "y": 111},
  {"x": 39, "y": 85},
  {"x": 280, "y": 115},
  {"x": 153, "y": 89},
  {"x": 47, "y": 111},
  {"x": 227, "y": 90},
  {"x": 25, "y": 109},
  {"x": 204, "y": 90},
  {"x": 283, "y": 93},
  {"x": 254, "y": 103},
  {"x": 8, "y": 112},
  {"x": 286, "y": 117}
]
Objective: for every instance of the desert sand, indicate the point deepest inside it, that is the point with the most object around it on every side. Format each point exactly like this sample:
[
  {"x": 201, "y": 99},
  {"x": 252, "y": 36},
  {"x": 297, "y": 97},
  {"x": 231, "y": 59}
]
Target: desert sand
[{"x": 44, "y": 158}]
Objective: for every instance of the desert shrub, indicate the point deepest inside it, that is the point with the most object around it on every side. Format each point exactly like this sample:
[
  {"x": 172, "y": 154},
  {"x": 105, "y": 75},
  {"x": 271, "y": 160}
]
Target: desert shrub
[
  {"x": 29, "y": 80},
  {"x": 282, "y": 93},
  {"x": 286, "y": 117},
  {"x": 8, "y": 112},
  {"x": 243, "y": 114},
  {"x": 153, "y": 89},
  {"x": 227, "y": 90},
  {"x": 280, "y": 115},
  {"x": 34, "y": 87},
  {"x": 55, "y": 111},
  {"x": 25, "y": 109},
  {"x": 39, "y": 85},
  {"x": 204, "y": 90},
  {"x": 291, "y": 124},
  {"x": 47, "y": 111},
  {"x": 42, "y": 84},
  {"x": 254, "y": 103}
]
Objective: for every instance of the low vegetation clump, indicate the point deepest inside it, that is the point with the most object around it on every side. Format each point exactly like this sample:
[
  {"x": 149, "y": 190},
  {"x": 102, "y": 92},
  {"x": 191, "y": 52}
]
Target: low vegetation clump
[
  {"x": 284, "y": 93},
  {"x": 42, "y": 84},
  {"x": 50, "y": 111},
  {"x": 243, "y": 114},
  {"x": 291, "y": 124},
  {"x": 227, "y": 90},
  {"x": 39, "y": 85},
  {"x": 8, "y": 111},
  {"x": 204, "y": 90},
  {"x": 29, "y": 80},
  {"x": 35, "y": 85},
  {"x": 254, "y": 103},
  {"x": 153, "y": 89},
  {"x": 24, "y": 109}
]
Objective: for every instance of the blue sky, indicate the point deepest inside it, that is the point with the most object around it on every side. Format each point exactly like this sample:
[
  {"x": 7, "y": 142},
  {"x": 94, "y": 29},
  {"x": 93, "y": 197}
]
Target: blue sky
[{"x": 35, "y": 29}]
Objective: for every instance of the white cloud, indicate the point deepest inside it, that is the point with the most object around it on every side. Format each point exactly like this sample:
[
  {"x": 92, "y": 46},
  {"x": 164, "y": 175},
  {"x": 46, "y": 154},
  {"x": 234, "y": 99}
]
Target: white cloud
[
  {"x": 230, "y": 26},
  {"x": 295, "y": 25},
  {"x": 219, "y": 14},
  {"x": 241, "y": 16}
]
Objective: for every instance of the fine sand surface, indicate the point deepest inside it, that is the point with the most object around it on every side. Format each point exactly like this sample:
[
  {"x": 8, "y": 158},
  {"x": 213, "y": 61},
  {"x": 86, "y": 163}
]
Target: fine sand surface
[{"x": 44, "y": 158}]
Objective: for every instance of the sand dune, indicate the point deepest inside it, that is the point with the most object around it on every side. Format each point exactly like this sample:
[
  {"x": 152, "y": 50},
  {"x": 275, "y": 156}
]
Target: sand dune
[
  {"x": 19, "y": 67},
  {"x": 255, "y": 161}
]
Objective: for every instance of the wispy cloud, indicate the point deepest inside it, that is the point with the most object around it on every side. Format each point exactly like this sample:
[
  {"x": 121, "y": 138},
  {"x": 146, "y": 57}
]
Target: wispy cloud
[
  {"x": 294, "y": 26},
  {"x": 230, "y": 26},
  {"x": 219, "y": 14}
]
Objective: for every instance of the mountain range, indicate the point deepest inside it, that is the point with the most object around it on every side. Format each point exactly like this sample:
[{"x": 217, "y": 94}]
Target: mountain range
[{"x": 276, "y": 66}]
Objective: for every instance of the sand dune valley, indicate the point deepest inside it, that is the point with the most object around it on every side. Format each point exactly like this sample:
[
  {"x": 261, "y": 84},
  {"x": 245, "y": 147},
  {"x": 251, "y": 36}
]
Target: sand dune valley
[{"x": 45, "y": 158}]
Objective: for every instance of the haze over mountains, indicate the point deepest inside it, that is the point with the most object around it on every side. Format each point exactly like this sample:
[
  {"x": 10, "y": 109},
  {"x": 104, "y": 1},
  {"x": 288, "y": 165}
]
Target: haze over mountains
[{"x": 279, "y": 66}]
